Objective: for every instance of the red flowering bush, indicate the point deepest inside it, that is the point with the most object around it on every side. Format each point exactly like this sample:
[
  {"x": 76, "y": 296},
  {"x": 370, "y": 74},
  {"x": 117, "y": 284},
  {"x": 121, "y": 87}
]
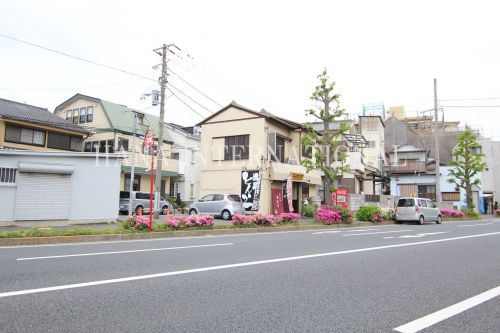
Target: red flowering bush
[
  {"x": 377, "y": 217},
  {"x": 328, "y": 215},
  {"x": 497, "y": 212}
]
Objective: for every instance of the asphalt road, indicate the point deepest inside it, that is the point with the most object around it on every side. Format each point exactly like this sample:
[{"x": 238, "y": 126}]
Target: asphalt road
[{"x": 405, "y": 278}]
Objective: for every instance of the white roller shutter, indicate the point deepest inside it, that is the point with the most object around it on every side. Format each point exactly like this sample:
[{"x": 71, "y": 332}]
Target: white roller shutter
[{"x": 43, "y": 196}]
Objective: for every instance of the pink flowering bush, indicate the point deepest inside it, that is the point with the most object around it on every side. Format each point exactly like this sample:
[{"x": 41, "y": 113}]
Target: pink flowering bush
[
  {"x": 288, "y": 218},
  {"x": 141, "y": 222},
  {"x": 497, "y": 212},
  {"x": 377, "y": 217},
  {"x": 328, "y": 215},
  {"x": 242, "y": 219},
  {"x": 178, "y": 222},
  {"x": 264, "y": 219},
  {"x": 451, "y": 213}
]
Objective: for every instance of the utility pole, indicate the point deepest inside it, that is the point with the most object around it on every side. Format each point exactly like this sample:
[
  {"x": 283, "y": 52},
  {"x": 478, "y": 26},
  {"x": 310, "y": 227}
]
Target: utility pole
[
  {"x": 163, "y": 84},
  {"x": 436, "y": 133},
  {"x": 132, "y": 168}
]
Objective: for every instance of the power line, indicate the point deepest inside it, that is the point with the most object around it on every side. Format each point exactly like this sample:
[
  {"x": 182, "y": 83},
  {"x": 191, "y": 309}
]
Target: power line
[
  {"x": 470, "y": 106},
  {"x": 78, "y": 58},
  {"x": 190, "y": 98},
  {"x": 189, "y": 84},
  {"x": 469, "y": 99},
  {"x": 183, "y": 102}
]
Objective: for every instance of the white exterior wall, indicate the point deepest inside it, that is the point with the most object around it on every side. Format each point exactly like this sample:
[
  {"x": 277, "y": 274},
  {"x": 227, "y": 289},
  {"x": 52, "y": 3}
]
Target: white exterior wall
[
  {"x": 447, "y": 187},
  {"x": 94, "y": 184},
  {"x": 410, "y": 179},
  {"x": 188, "y": 147}
]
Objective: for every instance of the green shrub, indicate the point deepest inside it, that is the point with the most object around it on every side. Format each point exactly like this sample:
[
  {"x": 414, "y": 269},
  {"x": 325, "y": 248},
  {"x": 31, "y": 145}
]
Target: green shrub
[
  {"x": 309, "y": 210},
  {"x": 366, "y": 213}
]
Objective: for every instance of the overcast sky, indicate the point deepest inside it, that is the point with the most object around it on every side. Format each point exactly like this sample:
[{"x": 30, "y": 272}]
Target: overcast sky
[{"x": 262, "y": 54}]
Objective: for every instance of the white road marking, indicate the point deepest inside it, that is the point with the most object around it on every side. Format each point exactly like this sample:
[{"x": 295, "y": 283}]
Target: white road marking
[
  {"x": 214, "y": 268},
  {"x": 436, "y": 317},
  {"x": 418, "y": 235},
  {"x": 358, "y": 230},
  {"x": 376, "y": 233},
  {"x": 473, "y": 225},
  {"x": 120, "y": 252},
  {"x": 326, "y": 232}
]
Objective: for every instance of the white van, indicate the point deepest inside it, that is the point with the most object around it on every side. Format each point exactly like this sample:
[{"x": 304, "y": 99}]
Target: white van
[
  {"x": 417, "y": 209},
  {"x": 140, "y": 201}
]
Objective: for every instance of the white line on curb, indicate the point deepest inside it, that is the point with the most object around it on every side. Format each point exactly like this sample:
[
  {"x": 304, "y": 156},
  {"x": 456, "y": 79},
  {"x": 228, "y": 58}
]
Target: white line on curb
[
  {"x": 378, "y": 232},
  {"x": 214, "y": 268},
  {"x": 436, "y": 317},
  {"x": 120, "y": 252}
]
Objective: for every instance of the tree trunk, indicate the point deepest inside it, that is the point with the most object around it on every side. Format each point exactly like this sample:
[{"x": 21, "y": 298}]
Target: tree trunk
[
  {"x": 328, "y": 151},
  {"x": 468, "y": 197},
  {"x": 327, "y": 183}
]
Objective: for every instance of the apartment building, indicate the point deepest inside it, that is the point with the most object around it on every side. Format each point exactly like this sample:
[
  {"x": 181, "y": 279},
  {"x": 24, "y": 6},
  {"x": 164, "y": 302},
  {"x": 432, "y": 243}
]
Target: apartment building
[
  {"x": 112, "y": 128},
  {"x": 257, "y": 155}
]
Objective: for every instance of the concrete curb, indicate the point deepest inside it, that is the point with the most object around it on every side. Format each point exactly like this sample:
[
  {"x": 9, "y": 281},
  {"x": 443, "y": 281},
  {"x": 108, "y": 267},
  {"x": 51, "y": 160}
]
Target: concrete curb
[{"x": 170, "y": 234}]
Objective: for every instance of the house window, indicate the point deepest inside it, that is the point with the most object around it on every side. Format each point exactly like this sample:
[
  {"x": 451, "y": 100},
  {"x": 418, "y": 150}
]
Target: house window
[
  {"x": 307, "y": 151},
  {"x": 75, "y": 116},
  {"x": 477, "y": 150},
  {"x": 191, "y": 190},
  {"x": 192, "y": 156},
  {"x": 427, "y": 191},
  {"x": 149, "y": 150},
  {"x": 236, "y": 147},
  {"x": 8, "y": 176},
  {"x": 17, "y": 134},
  {"x": 82, "y": 115},
  {"x": 174, "y": 156},
  {"x": 140, "y": 118},
  {"x": 88, "y": 146},
  {"x": 451, "y": 196},
  {"x": 69, "y": 115},
  {"x": 370, "y": 144},
  {"x": 90, "y": 114},
  {"x": 64, "y": 142},
  {"x": 137, "y": 182},
  {"x": 174, "y": 189},
  {"x": 276, "y": 147},
  {"x": 122, "y": 144}
]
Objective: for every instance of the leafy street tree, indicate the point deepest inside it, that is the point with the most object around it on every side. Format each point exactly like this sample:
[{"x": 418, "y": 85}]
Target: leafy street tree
[
  {"x": 328, "y": 155},
  {"x": 467, "y": 165}
]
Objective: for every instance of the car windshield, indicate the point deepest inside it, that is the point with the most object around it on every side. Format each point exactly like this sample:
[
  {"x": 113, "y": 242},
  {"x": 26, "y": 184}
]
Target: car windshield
[{"x": 406, "y": 202}]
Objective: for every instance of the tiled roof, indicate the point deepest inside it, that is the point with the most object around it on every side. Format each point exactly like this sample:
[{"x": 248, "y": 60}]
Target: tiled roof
[{"x": 34, "y": 114}]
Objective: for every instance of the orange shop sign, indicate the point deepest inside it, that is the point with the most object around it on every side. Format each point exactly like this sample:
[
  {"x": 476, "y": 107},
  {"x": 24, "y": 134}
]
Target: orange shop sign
[{"x": 297, "y": 176}]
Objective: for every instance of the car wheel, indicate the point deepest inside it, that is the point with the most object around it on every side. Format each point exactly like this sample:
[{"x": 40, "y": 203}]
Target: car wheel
[
  {"x": 139, "y": 208},
  {"x": 192, "y": 212},
  {"x": 439, "y": 219},
  {"x": 398, "y": 222},
  {"x": 164, "y": 210},
  {"x": 226, "y": 215},
  {"x": 421, "y": 220}
]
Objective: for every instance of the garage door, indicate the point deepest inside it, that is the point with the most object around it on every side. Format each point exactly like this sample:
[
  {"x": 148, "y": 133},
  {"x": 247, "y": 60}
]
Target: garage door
[{"x": 43, "y": 196}]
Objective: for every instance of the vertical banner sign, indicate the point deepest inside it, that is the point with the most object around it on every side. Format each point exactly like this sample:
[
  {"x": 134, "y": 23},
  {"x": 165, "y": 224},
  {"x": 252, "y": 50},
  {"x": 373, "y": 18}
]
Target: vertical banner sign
[
  {"x": 277, "y": 194},
  {"x": 289, "y": 194},
  {"x": 149, "y": 142},
  {"x": 250, "y": 189}
]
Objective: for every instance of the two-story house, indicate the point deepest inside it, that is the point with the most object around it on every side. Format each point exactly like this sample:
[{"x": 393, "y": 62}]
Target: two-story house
[
  {"x": 29, "y": 127},
  {"x": 412, "y": 174},
  {"x": 255, "y": 154},
  {"x": 112, "y": 127},
  {"x": 372, "y": 128},
  {"x": 186, "y": 148}
]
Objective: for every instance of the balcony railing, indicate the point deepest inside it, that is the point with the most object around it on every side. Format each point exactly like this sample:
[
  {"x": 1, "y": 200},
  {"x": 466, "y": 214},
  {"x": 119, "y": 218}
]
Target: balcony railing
[{"x": 408, "y": 167}]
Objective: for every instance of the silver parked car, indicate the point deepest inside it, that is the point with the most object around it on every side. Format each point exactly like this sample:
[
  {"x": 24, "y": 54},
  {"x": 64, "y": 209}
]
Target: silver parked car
[
  {"x": 140, "y": 200},
  {"x": 219, "y": 205},
  {"x": 417, "y": 209}
]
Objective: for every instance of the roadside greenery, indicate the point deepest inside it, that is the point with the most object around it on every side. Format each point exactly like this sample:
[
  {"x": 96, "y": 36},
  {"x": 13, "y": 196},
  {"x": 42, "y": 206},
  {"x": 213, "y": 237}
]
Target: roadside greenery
[
  {"x": 369, "y": 213},
  {"x": 309, "y": 210}
]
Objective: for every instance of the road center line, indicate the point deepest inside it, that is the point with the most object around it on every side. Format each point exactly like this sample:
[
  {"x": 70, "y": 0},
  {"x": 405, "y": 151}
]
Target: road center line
[
  {"x": 214, "y": 268},
  {"x": 473, "y": 225},
  {"x": 436, "y": 317},
  {"x": 378, "y": 232},
  {"x": 120, "y": 252}
]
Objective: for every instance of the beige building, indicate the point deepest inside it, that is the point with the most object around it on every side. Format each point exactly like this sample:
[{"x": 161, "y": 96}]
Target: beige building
[
  {"x": 112, "y": 127},
  {"x": 236, "y": 139},
  {"x": 28, "y": 127},
  {"x": 372, "y": 128}
]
